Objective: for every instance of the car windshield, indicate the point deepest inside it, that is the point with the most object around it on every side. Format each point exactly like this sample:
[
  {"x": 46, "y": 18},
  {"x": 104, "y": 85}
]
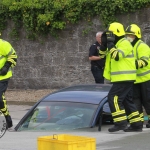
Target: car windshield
[{"x": 59, "y": 116}]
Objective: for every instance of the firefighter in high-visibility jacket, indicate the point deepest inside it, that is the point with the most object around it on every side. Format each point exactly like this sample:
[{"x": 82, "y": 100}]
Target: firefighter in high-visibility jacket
[
  {"x": 141, "y": 88},
  {"x": 8, "y": 59},
  {"x": 121, "y": 71}
]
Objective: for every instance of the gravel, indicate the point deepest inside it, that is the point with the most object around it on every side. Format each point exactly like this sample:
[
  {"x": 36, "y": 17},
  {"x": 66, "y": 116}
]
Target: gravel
[{"x": 27, "y": 95}]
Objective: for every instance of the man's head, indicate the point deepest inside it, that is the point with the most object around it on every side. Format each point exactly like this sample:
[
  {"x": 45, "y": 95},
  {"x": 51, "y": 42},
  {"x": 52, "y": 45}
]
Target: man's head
[
  {"x": 132, "y": 32},
  {"x": 98, "y": 36}
]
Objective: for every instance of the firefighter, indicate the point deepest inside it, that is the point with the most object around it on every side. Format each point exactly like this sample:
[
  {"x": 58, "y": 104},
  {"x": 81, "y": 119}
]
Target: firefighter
[
  {"x": 8, "y": 59},
  {"x": 141, "y": 88},
  {"x": 121, "y": 71}
]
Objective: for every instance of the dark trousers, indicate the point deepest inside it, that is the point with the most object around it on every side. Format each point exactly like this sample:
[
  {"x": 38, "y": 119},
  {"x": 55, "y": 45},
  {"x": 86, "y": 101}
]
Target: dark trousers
[
  {"x": 97, "y": 74},
  {"x": 141, "y": 96},
  {"x": 121, "y": 104},
  {"x": 3, "y": 103}
]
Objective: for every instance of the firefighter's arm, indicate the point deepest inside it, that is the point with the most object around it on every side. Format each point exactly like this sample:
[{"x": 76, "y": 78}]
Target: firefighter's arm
[
  {"x": 114, "y": 54},
  {"x": 5, "y": 68},
  {"x": 10, "y": 54},
  {"x": 143, "y": 56},
  {"x": 113, "y": 51},
  {"x": 11, "y": 58},
  {"x": 123, "y": 49}
]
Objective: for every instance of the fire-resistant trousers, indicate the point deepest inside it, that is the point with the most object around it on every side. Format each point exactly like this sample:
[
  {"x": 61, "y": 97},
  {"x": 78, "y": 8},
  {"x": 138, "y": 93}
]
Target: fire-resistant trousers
[
  {"x": 121, "y": 104},
  {"x": 141, "y": 98},
  {"x": 3, "y": 103}
]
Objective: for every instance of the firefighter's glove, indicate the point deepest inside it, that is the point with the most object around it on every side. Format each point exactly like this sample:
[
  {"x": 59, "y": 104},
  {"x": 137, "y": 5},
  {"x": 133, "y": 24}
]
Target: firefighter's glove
[
  {"x": 141, "y": 63},
  {"x": 110, "y": 45},
  {"x": 103, "y": 48},
  {"x": 104, "y": 39},
  {"x": 102, "y": 51},
  {"x": 5, "y": 68}
]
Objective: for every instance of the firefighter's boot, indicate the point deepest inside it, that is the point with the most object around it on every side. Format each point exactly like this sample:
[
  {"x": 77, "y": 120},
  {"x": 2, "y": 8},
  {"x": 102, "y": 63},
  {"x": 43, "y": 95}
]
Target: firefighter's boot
[
  {"x": 148, "y": 124},
  {"x": 133, "y": 129},
  {"x": 9, "y": 121},
  {"x": 117, "y": 128}
]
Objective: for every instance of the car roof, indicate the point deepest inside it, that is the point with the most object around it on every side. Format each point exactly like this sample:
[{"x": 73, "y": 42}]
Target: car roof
[{"x": 92, "y": 93}]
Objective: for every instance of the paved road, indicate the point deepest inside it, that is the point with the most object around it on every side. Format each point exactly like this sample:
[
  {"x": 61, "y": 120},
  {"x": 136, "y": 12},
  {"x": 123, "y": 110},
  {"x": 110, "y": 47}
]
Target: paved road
[{"x": 104, "y": 140}]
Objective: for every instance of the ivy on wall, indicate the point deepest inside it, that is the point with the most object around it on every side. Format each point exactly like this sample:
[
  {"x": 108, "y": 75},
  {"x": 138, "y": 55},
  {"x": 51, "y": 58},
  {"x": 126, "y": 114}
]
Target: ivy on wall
[{"x": 42, "y": 17}]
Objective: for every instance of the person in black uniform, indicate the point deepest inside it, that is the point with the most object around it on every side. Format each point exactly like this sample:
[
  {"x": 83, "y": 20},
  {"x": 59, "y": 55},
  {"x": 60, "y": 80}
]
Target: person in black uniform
[{"x": 97, "y": 63}]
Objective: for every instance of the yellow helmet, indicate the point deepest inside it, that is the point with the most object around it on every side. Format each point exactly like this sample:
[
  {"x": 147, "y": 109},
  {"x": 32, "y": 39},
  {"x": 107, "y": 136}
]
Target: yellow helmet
[
  {"x": 134, "y": 30},
  {"x": 116, "y": 28}
]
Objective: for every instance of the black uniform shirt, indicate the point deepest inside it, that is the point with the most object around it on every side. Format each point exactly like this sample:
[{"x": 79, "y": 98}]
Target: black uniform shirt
[{"x": 94, "y": 51}]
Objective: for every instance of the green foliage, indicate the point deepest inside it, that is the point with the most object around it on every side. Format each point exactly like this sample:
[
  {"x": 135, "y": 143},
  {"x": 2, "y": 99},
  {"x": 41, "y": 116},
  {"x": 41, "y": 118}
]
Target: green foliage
[{"x": 42, "y": 17}]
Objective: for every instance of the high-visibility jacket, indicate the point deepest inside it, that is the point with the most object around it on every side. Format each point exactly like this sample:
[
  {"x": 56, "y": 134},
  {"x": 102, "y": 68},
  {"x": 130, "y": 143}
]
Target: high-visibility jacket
[
  {"x": 142, "y": 55},
  {"x": 7, "y": 53},
  {"x": 107, "y": 69},
  {"x": 124, "y": 69}
]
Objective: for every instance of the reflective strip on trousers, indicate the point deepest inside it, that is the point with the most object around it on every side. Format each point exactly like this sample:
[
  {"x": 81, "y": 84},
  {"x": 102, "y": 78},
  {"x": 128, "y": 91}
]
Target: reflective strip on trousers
[
  {"x": 118, "y": 111},
  {"x": 133, "y": 114},
  {"x": 4, "y": 110},
  {"x": 116, "y": 103},
  {"x": 120, "y": 119},
  {"x": 142, "y": 117},
  {"x": 137, "y": 119}
]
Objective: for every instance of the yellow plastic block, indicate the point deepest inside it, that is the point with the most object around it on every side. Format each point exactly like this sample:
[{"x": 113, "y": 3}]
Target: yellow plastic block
[{"x": 66, "y": 142}]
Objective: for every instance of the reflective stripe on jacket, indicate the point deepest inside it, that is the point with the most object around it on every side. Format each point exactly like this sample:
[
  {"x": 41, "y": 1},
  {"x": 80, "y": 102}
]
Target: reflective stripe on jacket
[
  {"x": 124, "y": 69},
  {"x": 142, "y": 51},
  {"x": 7, "y": 53}
]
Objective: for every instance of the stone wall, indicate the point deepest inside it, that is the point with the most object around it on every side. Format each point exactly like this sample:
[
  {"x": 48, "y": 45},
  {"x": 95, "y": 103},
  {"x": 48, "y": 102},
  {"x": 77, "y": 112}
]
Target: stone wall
[{"x": 56, "y": 63}]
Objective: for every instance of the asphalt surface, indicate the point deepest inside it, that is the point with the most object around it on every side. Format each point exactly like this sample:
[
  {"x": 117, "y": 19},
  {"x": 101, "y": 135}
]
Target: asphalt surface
[{"x": 104, "y": 140}]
